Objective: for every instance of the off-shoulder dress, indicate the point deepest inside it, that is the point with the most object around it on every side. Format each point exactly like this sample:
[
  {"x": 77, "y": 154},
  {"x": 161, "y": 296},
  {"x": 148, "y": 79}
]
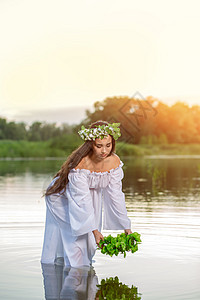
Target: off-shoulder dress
[{"x": 71, "y": 217}]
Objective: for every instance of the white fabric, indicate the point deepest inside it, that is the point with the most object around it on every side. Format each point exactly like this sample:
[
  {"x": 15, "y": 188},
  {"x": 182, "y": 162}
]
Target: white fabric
[
  {"x": 69, "y": 283},
  {"x": 71, "y": 217}
]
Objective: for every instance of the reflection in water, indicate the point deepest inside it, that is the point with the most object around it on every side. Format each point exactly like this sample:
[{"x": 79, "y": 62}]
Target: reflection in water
[
  {"x": 175, "y": 176},
  {"x": 35, "y": 166},
  {"x": 68, "y": 283},
  {"x": 111, "y": 288},
  {"x": 143, "y": 176},
  {"x": 158, "y": 176}
]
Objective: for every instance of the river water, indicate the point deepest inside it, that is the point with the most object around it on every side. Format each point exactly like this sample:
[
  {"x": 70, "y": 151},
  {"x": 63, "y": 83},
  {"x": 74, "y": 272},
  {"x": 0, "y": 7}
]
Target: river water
[{"x": 163, "y": 202}]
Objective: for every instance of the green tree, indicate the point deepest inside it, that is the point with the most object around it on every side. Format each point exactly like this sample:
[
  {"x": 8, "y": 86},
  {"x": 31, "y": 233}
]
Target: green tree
[{"x": 34, "y": 133}]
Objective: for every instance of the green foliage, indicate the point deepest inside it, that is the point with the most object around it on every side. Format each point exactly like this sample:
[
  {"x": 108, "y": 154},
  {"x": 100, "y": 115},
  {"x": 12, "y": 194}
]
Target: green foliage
[
  {"x": 153, "y": 139},
  {"x": 150, "y": 121},
  {"x": 12, "y": 130},
  {"x": 9, "y": 148},
  {"x": 162, "y": 139},
  {"x": 125, "y": 149},
  {"x": 62, "y": 146},
  {"x": 37, "y": 131},
  {"x": 111, "y": 289},
  {"x": 120, "y": 244},
  {"x": 148, "y": 124},
  {"x": 67, "y": 142}
]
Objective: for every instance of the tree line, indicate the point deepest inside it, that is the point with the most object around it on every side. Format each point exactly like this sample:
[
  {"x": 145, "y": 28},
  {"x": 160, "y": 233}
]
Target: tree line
[
  {"x": 142, "y": 121},
  {"x": 37, "y": 131},
  {"x": 149, "y": 121}
]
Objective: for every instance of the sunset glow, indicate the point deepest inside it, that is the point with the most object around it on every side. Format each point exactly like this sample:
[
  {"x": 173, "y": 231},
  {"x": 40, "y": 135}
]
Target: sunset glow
[{"x": 62, "y": 54}]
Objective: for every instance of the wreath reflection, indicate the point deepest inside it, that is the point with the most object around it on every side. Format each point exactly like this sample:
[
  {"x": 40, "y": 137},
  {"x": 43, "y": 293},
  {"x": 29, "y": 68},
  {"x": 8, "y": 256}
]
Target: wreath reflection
[{"x": 67, "y": 283}]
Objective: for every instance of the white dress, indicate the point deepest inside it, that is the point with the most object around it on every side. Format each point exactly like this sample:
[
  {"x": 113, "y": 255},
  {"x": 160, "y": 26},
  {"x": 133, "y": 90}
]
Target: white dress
[{"x": 71, "y": 217}]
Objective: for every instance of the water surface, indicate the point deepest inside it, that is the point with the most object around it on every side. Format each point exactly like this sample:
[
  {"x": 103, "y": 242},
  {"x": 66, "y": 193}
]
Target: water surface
[{"x": 163, "y": 202}]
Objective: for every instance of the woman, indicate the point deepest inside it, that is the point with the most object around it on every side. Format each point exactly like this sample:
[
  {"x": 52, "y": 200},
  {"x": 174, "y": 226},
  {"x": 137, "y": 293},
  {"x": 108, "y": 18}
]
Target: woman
[{"x": 90, "y": 177}]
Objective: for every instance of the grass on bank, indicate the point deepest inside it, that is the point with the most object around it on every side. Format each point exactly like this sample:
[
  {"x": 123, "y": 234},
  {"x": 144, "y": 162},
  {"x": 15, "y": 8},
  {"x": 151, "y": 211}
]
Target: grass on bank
[
  {"x": 52, "y": 148},
  {"x": 24, "y": 149},
  {"x": 159, "y": 149}
]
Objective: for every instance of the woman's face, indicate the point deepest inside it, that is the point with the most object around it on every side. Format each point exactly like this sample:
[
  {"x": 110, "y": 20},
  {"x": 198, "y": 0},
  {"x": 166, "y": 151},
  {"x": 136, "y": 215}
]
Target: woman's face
[{"x": 102, "y": 148}]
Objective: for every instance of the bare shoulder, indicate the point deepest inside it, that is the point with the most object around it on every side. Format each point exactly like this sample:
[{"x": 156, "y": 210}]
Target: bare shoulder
[
  {"x": 115, "y": 160},
  {"x": 111, "y": 162}
]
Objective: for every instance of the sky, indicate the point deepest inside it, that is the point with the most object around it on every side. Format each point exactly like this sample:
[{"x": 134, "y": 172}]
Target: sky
[{"x": 59, "y": 57}]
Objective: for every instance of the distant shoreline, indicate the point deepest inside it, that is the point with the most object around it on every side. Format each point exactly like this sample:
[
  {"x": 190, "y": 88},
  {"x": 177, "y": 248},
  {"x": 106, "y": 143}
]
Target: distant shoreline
[
  {"x": 25, "y": 150},
  {"x": 159, "y": 156}
]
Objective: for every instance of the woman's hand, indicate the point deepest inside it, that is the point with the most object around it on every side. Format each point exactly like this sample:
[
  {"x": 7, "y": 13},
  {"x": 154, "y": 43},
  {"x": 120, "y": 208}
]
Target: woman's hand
[
  {"x": 127, "y": 231},
  {"x": 98, "y": 236}
]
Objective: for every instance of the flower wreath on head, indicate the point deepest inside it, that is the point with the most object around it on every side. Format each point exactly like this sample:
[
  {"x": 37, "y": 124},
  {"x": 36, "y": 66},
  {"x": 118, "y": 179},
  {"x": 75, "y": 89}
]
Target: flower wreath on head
[{"x": 100, "y": 131}]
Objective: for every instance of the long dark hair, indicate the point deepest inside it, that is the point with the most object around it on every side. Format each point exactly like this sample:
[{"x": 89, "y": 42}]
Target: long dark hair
[{"x": 73, "y": 160}]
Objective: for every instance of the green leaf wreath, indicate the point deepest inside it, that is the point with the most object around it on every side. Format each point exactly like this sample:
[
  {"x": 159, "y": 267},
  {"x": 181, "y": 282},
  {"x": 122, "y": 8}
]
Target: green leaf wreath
[{"x": 120, "y": 244}]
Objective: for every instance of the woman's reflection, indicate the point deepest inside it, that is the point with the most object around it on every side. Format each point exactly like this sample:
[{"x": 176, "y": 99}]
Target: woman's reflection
[{"x": 69, "y": 283}]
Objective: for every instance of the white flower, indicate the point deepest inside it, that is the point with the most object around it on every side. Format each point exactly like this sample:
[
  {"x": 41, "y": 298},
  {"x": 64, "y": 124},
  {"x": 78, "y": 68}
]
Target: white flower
[{"x": 111, "y": 129}]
